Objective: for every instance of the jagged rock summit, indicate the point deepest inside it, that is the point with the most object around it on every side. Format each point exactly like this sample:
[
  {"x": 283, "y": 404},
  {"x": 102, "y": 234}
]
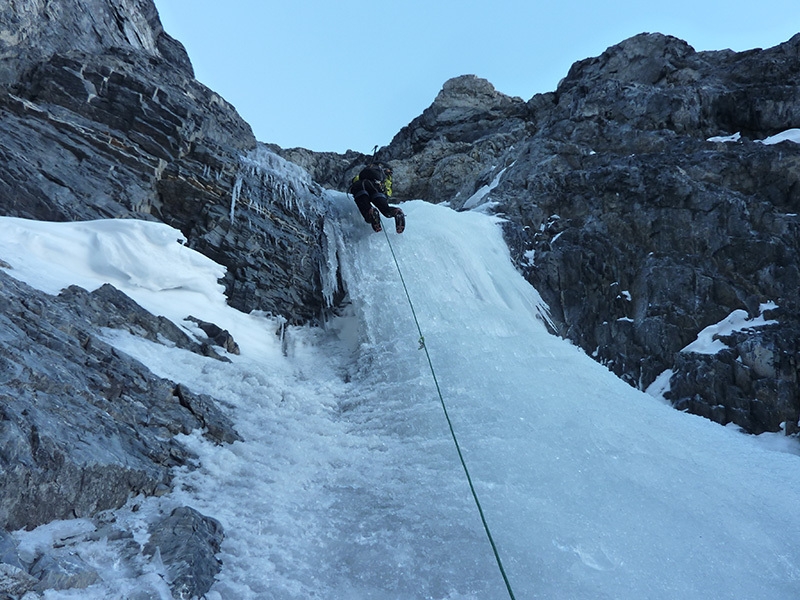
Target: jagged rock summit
[{"x": 442, "y": 153}]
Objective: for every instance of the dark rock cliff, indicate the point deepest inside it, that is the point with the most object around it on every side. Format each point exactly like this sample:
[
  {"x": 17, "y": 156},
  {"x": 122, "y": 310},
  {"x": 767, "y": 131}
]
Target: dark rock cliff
[{"x": 640, "y": 232}]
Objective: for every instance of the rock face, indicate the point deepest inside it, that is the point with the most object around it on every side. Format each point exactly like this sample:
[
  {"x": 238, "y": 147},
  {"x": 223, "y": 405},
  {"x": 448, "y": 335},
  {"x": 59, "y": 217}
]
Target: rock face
[
  {"x": 187, "y": 543},
  {"x": 83, "y": 426},
  {"x": 101, "y": 117},
  {"x": 643, "y": 233}
]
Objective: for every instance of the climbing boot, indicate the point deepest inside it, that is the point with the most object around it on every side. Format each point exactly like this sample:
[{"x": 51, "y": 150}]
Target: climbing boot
[{"x": 375, "y": 220}]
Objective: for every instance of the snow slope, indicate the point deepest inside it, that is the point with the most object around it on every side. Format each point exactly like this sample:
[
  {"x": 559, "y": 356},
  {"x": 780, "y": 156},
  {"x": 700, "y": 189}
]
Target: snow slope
[{"x": 348, "y": 486}]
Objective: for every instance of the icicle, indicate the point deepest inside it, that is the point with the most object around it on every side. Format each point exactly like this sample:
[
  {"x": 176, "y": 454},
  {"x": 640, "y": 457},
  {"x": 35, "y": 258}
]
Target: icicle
[
  {"x": 266, "y": 179},
  {"x": 237, "y": 189},
  {"x": 329, "y": 269}
]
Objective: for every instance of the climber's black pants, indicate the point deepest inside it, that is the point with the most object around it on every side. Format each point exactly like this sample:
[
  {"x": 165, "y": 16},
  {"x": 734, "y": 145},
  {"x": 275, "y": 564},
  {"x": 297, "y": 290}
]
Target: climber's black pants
[{"x": 367, "y": 194}]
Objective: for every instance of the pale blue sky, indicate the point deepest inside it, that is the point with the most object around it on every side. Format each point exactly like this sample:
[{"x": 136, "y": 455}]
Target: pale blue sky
[{"x": 350, "y": 74}]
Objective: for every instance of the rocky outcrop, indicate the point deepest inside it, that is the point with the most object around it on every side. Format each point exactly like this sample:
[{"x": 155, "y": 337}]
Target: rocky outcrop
[
  {"x": 756, "y": 374},
  {"x": 640, "y": 232},
  {"x": 33, "y": 30},
  {"x": 187, "y": 543},
  {"x": 101, "y": 117},
  {"x": 51, "y": 349},
  {"x": 453, "y": 146},
  {"x": 83, "y": 426}
]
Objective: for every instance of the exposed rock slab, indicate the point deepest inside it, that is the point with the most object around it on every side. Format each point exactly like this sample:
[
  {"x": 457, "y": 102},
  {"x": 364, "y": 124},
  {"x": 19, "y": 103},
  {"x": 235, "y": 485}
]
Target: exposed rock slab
[
  {"x": 187, "y": 543},
  {"x": 84, "y": 427}
]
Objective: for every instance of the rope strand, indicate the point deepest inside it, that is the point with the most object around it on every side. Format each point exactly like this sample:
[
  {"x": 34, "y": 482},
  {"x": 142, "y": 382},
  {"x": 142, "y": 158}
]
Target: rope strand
[{"x": 423, "y": 346}]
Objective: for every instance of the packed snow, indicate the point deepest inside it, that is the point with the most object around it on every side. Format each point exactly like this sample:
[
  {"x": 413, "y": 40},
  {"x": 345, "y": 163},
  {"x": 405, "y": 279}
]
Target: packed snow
[
  {"x": 790, "y": 135},
  {"x": 724, "y": 139},
  {"x": 347, "y": 484},
  {"x": 708, "y": 341}
]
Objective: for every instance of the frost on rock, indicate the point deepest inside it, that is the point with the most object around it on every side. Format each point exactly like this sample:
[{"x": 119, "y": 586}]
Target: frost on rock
[
  {"x": 266, "y": 179},
  {"x": 282, "y": 192}
]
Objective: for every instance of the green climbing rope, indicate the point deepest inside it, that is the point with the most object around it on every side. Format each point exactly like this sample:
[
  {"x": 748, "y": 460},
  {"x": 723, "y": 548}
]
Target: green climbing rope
[{"x": 422, "y": 346}]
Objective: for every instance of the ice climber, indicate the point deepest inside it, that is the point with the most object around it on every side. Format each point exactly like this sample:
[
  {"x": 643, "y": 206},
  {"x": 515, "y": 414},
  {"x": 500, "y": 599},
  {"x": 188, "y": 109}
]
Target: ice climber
[{"x": 371, "y": 190}]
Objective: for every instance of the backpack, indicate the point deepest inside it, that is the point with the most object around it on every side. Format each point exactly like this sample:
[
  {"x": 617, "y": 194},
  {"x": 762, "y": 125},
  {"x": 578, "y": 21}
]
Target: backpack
[{"x": 379, "y": 173}]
